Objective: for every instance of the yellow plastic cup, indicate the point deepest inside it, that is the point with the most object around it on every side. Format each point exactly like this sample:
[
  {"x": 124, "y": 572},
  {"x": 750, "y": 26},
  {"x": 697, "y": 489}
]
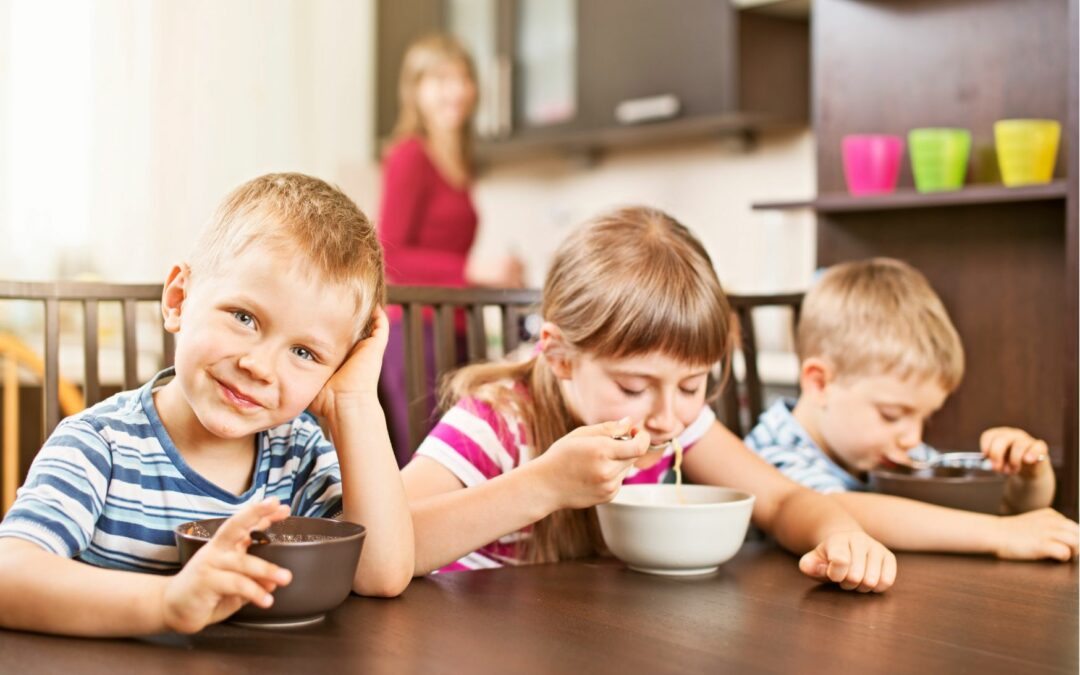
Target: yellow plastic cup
[{"x": 1026, "y": 150}]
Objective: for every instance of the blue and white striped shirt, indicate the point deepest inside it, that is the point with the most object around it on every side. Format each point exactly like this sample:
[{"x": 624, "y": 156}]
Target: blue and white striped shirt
[
  {"x": 784, "y": 443},
  {"x": 109, "y": 487}
]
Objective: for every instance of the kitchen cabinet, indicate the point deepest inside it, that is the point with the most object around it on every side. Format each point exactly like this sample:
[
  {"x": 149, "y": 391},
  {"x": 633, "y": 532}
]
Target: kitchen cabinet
[{"x": 583, "y": 76}]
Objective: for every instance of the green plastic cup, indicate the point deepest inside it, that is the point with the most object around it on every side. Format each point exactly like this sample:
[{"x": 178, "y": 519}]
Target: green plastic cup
[{"x": 939, "y": 158}]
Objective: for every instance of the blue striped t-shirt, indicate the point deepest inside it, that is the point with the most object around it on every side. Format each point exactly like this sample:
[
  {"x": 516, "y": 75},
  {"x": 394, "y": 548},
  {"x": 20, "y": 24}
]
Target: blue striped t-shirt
[
  {"x": 109, "y": 487},
  {"x": 783, "y": 442}
]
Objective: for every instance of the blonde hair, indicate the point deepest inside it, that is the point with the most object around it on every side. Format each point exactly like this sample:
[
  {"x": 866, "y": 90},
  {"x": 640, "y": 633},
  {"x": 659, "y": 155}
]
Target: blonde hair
[
  {"x": 421, "y": 57},
  {"x": 306, "y": 218},
  {"x": 630, "y": 282},
  {"x": 880, "y": 316}
]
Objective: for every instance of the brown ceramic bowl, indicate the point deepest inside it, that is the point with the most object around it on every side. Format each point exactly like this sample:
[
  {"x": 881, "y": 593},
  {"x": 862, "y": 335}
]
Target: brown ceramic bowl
[
  {"x": 971, "y": 489},
  {"x": 321, "y": 554}
]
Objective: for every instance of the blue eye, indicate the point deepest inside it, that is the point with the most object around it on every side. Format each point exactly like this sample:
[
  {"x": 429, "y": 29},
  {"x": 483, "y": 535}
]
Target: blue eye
[
  {"x": 243, "y": 317},
  {"x": 304, "y": 353}
]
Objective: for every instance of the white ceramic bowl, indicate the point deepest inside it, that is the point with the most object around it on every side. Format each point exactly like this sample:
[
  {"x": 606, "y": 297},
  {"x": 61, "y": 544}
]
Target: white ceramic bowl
[{"x": 648, "y": 528}]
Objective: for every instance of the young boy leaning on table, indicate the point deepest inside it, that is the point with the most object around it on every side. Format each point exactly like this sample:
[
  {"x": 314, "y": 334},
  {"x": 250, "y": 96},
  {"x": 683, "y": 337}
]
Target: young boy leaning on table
[
  {"x": 278, "y": 310},
  {"x": 878, "y": 356}
]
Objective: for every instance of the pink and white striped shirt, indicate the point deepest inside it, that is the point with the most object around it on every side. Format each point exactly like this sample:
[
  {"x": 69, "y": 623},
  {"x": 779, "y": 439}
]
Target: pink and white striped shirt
[{"x": 477, "y": 443}]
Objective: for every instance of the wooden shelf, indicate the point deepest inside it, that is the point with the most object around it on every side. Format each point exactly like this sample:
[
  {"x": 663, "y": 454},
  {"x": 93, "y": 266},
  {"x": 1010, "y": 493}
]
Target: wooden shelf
[
  {"x": 910, "y": 199},
  {"x": 594, "y": 142}
]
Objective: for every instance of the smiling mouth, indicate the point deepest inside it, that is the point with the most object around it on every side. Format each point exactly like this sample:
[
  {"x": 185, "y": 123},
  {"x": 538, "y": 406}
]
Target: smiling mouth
[{"x": 236, "y": 398}]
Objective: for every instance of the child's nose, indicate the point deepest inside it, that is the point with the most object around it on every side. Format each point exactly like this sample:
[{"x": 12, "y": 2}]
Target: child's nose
[
  {"x": 911, "y": 437},
  {"x": 257, "y": 364},
  {"x": 662, "y": 419}
]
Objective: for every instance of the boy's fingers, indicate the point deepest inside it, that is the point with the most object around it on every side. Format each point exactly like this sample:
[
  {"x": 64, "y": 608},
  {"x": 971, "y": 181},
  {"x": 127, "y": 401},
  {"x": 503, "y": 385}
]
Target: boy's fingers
[
  {"x": 814, "y": 565},
  {"x": 1037, "y": 452},
  {"x": 259, "y": 569},
  {"x": 857, "y": 569},
  {"x": 996, "y": 451},
  {"x": 1058, "y": 551},
  {"x": 236, "y": 530},
  {"x": 839, "y": 559},
  {"x": 231, "y": 583}
]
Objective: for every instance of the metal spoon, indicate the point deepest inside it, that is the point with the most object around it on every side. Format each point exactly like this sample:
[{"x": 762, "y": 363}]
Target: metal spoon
[
  {"x": 952, "y": 459},
  {"x": 652, "y": 446}
]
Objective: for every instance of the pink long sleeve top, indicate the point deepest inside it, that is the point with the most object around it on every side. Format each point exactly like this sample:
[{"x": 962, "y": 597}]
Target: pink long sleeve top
[{"x": 427, "y": 225}]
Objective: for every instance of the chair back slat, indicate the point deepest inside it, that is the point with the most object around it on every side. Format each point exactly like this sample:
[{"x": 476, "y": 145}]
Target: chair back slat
[
  {"x": 475, "y": 333},
  {"x": 9, "y": 462},
  {"x": 511, "y": 332},
  {"x": 131, "y": 346},
  {"x": 52, "y": 365},
  {"x": 415, "y": 371},
  {"x": 748, "y": 345},
  {"x": 445, "y": 339},
  {"x": 92, "y": 389},
  {"x": 168, "y": 348}
]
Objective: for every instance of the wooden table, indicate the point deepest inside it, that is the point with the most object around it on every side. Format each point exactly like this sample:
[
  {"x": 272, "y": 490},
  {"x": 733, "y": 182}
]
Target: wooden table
[{"x": 948, "y": 614}]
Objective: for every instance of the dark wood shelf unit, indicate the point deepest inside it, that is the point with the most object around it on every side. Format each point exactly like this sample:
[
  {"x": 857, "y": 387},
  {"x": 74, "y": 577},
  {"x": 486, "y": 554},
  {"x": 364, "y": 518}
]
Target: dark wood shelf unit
[
  {"x": 561, "y": 143},
  {"x": 971, "y": 195},
  {"x": 1003, "y": 260}
]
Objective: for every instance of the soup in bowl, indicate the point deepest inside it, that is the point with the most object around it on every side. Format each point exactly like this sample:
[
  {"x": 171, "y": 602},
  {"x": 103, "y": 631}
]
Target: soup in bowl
[
  {"x": 322, "y": 555},
  {"x": 675, "y": 529}
]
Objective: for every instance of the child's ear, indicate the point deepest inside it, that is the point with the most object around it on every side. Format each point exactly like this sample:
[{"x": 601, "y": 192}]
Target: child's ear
[
  {"x": 554, "y": 349},
  {"x": 173, "y": 296},
  {"x": 814, "y": 377}
]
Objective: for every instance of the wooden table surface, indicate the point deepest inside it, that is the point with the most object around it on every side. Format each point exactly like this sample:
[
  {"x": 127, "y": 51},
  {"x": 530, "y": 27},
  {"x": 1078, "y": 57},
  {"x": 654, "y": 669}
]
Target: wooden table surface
[{"x": 947, "y": 614}]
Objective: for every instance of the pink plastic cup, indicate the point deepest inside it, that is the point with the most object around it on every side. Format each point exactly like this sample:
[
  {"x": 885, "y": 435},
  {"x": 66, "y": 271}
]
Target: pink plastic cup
[{"x": 872, "y": 162}]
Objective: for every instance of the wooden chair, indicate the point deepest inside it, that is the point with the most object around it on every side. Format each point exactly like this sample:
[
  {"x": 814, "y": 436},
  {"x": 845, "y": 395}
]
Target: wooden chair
[
  {"x": 743, "y": 399},
  {"x": 445, "y": 303},
  {"x": 738, "y": 406},
  {"x": 57, "y": 394}
]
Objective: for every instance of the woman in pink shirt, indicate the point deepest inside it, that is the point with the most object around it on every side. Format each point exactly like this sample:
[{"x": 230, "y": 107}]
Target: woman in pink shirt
[{"x": 428, "y": 221}]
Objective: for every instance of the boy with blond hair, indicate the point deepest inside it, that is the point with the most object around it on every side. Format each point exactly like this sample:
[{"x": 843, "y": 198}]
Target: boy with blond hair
[
  {"x": 278, "y": 310},
  {"x": 878, "y": 356}
]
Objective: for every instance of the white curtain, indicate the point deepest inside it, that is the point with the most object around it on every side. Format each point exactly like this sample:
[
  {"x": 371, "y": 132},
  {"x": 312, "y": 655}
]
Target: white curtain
[{"x": 123, "y": 122}]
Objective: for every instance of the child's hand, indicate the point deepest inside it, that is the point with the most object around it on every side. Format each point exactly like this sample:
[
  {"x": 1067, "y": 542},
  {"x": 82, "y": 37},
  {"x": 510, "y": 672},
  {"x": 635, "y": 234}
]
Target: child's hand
[
  {"x": 1013, "y": 451},
  {"x": 221, "y": 577},
  {"x": 359, "y": 374},
  {"x": 855, "y": 560},
  {"x": 587, "y": 466},
  {"x": 1036, "y": 535}
]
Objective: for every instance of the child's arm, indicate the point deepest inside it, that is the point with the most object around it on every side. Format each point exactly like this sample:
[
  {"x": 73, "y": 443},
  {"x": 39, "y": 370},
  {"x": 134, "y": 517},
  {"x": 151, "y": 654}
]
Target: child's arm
[
  {"x": 909, "y": 525},
  {"x": 42, "y": 591},
  {"x": 582, "y": 469},
  {"x": 799, "y": 518},
  {"x": 372, "y": 492},
  {"x": 1026, "y": 460}
]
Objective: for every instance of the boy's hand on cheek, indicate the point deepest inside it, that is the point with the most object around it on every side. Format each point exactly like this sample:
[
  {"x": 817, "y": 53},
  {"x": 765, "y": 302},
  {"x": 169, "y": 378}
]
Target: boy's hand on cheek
[
  {"x": 358, "y": 376},
  {"x": 221, "y": 577},
  {"x": 854, "y": 560},
  {"x": 1014, "y": 451}
]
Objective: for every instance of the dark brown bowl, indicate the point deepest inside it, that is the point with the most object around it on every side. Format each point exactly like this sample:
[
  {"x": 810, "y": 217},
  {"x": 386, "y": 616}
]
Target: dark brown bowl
[
  {"x": 322, "y": 570},
  {"x": 970, "y": 489}
]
